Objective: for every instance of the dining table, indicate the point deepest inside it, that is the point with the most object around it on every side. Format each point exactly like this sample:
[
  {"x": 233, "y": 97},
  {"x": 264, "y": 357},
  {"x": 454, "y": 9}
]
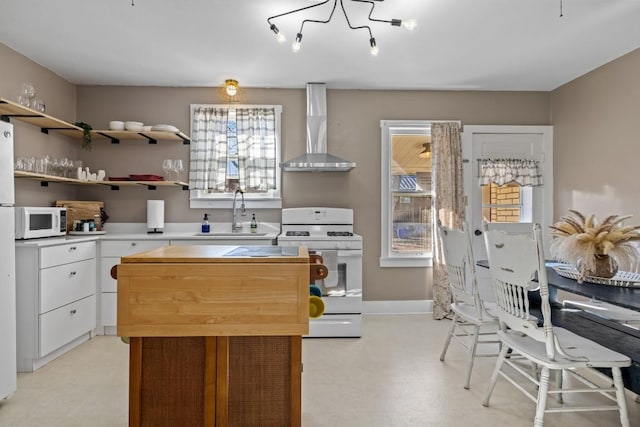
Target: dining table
[{"x": 617, "y": 335}]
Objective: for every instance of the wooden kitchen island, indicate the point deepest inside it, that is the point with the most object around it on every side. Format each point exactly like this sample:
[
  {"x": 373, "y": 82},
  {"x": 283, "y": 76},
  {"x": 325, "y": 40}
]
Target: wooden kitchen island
[{"x": 215, "y": 334}]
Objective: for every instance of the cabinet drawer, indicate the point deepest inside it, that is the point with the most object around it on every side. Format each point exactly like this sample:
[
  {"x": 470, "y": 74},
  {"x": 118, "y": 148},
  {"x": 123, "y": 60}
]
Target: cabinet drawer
[
  {"x": 65, "y": 254},
  {"x": 108, "y": 283},
  {"x": 109, "y": 307},
  {"x": 122, "y": 248},
  {"x": 66, "y": 283},
  {"x": 62, "y": 325}
]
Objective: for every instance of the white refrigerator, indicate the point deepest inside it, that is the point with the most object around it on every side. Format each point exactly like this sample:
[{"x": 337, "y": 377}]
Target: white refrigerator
[{"x": 8, "y": 376}]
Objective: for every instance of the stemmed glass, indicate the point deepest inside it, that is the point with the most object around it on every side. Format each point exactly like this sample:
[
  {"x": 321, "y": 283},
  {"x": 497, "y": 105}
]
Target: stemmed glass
[
  {"x": 28, "y": 92},
  {"x": 167, "y": 166},
  {"x": 177, "y": 168}
]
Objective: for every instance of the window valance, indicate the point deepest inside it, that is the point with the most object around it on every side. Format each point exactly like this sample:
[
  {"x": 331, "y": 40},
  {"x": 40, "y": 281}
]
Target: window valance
[{"x": 504, "y": 171}]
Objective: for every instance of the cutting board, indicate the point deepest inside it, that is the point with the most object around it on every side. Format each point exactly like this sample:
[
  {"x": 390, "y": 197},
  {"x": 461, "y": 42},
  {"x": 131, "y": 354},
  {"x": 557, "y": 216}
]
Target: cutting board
[{"x": 79, "y": 209}]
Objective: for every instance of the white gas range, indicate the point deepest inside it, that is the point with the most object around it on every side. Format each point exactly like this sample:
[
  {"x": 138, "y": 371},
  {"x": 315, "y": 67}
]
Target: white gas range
[{"x": 329, "y": 232}]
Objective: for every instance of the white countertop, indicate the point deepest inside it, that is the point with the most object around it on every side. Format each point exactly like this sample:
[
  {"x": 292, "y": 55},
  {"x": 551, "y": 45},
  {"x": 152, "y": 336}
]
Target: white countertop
[{"x": 220, "y": 232}]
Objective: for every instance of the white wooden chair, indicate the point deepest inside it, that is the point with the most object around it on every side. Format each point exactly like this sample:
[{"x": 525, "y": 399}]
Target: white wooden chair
[
  {"x": 470, "y": 313},
  {"x": 513, "y": 262}
]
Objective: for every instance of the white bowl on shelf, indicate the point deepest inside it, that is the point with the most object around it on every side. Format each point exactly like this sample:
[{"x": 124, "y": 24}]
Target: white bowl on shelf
[
  {"x": 134, "y": 126},
  {"x": 165, "y": 128},
  {"x": 116, "y": 125},
  {"x": 146, "y": 128}
]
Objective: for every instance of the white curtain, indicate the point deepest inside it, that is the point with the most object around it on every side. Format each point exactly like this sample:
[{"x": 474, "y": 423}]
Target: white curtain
[
  {"x": 449, "y": 204},
  {"x": 504, "y": 171},
  {"x": 208, "y": 161},
  {"x": 254, "y": 129},
  {"x": 256, "y": 148}
]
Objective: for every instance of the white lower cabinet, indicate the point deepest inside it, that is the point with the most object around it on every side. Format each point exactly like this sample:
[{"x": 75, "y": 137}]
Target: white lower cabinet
[
  {"x": 64, "y": 324},
  {"x": 110, "y": 253},
  {"x": 56, "y": 301}
]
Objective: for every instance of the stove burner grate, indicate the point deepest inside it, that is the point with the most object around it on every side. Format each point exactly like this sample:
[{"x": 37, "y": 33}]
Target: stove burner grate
[
  {"x": 297, "y": 233},
  {"x": 339, "y": 233}
]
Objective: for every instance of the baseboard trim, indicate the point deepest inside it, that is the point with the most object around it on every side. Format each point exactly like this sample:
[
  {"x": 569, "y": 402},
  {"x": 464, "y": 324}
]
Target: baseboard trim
[{"x": 397, "y": 307}]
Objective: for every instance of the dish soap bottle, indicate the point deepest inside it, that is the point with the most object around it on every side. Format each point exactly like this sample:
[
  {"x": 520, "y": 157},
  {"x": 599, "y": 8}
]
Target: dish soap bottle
[
  {"x": 205, "y": 224},
  {"x": 254, "y": 224}
]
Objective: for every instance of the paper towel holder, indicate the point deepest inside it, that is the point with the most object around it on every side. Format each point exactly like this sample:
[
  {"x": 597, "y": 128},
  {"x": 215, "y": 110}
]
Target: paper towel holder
[{"x": 155, "y": 216}]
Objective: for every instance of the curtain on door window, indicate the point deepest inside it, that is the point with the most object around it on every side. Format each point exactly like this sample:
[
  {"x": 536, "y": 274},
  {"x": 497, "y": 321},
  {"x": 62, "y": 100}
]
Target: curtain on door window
[{"x": 504, "y": 171}]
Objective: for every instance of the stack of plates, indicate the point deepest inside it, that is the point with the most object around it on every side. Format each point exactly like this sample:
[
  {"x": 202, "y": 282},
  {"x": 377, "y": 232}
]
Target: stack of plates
[{"x": 165, "y": 128}]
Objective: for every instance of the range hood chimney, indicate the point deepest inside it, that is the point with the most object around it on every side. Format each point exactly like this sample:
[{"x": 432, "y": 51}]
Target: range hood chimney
[{"x": 317, "y": 159}]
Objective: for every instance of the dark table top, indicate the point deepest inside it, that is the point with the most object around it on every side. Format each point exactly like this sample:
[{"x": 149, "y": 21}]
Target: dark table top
[
  {"x": 605, "y": 332},
  {"x": 626, "y": 297}
]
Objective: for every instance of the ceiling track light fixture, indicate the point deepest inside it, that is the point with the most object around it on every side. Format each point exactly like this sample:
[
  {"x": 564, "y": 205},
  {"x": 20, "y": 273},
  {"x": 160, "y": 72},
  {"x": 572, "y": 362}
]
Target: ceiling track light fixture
[{"x": 408, "y": 24}]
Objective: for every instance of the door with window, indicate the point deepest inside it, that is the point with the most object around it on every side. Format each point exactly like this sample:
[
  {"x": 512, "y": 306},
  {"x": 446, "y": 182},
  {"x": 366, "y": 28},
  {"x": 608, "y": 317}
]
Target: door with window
[{"x": 511, "y": 207}]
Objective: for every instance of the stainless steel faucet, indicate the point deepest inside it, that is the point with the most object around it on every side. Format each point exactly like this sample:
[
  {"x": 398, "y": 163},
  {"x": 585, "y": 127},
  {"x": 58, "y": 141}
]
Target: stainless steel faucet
[{"x": 234, "y": 224}]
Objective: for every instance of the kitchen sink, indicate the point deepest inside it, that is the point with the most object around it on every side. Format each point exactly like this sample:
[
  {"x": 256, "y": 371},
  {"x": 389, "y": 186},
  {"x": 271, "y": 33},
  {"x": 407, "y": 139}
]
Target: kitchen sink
[{"x": 230, "y": 234}]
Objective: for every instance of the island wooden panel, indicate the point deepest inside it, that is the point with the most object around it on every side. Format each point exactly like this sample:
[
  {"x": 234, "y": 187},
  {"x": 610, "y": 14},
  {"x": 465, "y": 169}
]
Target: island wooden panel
[{"x": 213, "y": 299}]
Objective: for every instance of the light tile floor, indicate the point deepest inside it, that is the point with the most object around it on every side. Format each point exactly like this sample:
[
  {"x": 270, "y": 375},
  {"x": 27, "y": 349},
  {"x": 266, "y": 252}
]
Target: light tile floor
[{"x": 390, "y": 377}]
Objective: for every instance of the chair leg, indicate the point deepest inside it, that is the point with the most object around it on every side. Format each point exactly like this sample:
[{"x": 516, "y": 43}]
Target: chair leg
[
  {"x": 541, "y": 402},
  {"x": 494, "y": 376},
  {"x": 559, "y": 380},
  {"x": 622, "y": 403},
  {"x": 472, "y": 355},
  {"x": 452, "y": 330}
]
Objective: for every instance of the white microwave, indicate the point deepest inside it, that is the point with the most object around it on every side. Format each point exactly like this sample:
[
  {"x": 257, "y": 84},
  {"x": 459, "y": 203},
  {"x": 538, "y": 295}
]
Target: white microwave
[{"x": 35, "y": 222}]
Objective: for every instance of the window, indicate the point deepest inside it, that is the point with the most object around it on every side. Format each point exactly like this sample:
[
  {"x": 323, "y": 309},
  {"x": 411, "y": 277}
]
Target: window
[
  {"x": 235, "y": 147},
  {"x": 506, "y": 203},
  {"x": 406, "y": 194}
]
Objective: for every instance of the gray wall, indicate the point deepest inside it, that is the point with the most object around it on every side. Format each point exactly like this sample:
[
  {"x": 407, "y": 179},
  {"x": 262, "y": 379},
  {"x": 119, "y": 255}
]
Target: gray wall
[
  {"x": 596, "y": 141},
  {"x": 353, "y": 133}
]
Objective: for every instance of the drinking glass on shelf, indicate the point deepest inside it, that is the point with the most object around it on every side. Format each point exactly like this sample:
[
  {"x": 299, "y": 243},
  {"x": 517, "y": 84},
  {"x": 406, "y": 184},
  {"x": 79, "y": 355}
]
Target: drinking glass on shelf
[
  {"x": 23, "y": 100},
  {"x": 38, "y": 105},
  {"x": 19, "y": 164},
  {"x": 167, "y": 166},
  {"x": 28, "y": 90},
  {"x": 31, "y": 164},
  {"x": 177, "y": 168},
  {"x": 54, "y": 167}
]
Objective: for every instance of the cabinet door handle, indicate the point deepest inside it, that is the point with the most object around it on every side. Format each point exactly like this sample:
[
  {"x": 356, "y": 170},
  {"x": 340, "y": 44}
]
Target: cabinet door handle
[
  {"x": 73, "y": 311},
  {"x": 133, "y": 243},
  {"x": 73, "y": 273},
  {"x": 72, "y": 248}
]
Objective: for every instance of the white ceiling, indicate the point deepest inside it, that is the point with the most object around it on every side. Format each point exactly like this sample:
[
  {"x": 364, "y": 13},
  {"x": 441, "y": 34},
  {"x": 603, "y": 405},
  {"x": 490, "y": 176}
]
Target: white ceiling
[{"x": 458, "y": 44}]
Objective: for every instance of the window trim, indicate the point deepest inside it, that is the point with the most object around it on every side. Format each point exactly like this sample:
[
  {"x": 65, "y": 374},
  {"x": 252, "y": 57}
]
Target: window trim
[
  {"x": 198, "y": 199},
  {"x": 387, "y": 259}
]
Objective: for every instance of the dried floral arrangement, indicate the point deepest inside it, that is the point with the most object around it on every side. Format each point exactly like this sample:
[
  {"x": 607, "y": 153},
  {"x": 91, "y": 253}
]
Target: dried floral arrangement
[{"x": 580, "y": 238}]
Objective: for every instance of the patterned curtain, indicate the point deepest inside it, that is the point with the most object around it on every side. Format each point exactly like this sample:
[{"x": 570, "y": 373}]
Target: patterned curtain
[
  {"x": 503, "y": 171},
  {"x": 446, "y": 147},
  {"x": 256, "y": 148},
  {"x": 208, "y": 161}
]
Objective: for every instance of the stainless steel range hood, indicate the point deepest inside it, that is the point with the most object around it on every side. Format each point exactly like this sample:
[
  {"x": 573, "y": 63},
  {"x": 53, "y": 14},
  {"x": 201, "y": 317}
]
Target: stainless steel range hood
[{"x": 317, "y": 159}]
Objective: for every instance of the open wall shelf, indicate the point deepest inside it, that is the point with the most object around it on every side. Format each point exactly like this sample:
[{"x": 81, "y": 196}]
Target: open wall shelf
[
  {"x": 115, "y": 185},
  {"x": 12, "y": 110}
]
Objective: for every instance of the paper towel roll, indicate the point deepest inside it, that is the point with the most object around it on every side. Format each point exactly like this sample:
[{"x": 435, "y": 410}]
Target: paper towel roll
[{"x": 155, "y": 214}]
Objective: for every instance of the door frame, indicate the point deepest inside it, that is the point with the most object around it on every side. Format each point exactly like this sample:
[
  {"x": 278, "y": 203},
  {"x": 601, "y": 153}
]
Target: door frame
[{"x": 470, "y": 168}]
